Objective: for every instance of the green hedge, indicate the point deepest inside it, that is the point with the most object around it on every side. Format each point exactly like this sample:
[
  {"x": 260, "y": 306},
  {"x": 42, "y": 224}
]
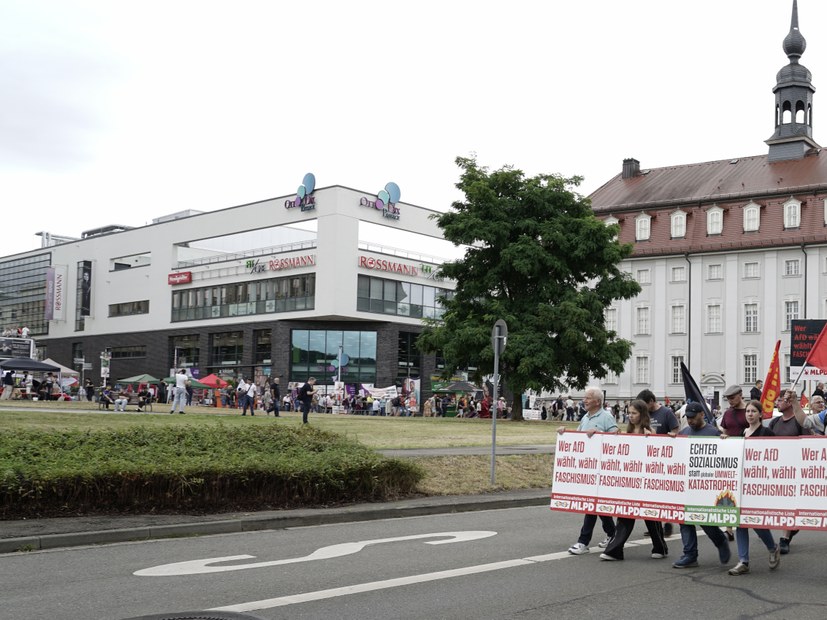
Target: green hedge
[{"x": 190, "y": 469}]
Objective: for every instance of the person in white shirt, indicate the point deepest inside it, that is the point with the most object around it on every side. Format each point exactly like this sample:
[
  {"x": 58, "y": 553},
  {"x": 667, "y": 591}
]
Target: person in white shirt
[{"x": 179, "y": 399}]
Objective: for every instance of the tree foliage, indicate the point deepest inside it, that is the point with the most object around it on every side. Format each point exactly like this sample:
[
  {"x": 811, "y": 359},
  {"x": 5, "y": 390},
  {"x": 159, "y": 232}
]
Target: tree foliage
[{"x": 539, "y": 259}]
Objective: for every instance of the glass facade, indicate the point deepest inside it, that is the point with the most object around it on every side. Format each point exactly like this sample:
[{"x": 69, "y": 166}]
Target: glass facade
[
  {"x": 315, "y": 353},
  {"x": 400, "y": 298},
  {"x": 410, "y": 360},
  {"x": 184, "y": 351},
  {"x": 23, "y": 294},
  {"x": 245, "y": 298},
  {"x": 128, "y": 308},
  {"x": 226, "y": 349}
]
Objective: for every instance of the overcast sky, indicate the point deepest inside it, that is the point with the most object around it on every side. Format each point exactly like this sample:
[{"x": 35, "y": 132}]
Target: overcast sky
[{"x": 117, "y": 112}]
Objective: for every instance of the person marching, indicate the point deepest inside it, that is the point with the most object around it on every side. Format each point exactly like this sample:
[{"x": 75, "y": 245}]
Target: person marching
[
  {"x": 755, "y": 429},
  {"x": 638, "y": 413}
]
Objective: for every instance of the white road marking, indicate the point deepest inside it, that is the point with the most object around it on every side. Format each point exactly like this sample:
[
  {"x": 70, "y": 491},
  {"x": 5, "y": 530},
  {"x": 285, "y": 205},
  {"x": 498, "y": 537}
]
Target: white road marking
[
  {"x": 206, "y": 565},
  {"x": 402, "y": 581}
]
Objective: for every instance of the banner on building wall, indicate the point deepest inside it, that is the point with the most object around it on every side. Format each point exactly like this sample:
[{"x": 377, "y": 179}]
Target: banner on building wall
[
  {"x": 56, "y": 293},
  {"x": 85, "y": 294},
  {"x": 760, "y": 482}
]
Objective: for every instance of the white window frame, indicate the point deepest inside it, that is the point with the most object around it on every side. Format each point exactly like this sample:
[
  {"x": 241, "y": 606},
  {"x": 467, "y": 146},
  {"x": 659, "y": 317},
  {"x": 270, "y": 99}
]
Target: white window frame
[
  {"x": 610, "y": 316},
  {"x": 677, "y": 224},
  {"x": 748, "y": 267},
  {"x": 751, "y": 318},
  {"x": 642, "y": 369},
  {"x": 792, "y": 214},
  {"x": 787, "y": 377},
  {"x": 643, "y": 318},
  {"x": 714, "y": 318},
  {"x": 677, "y": 319},
  {"x": 792, "y": 310},
  {"x": 677, "y": 376},
  {"x": 715, "y": 271},
  {"x": 644, "y": 276},
  {"x": 792, "y": 267},
  {"x": 715, "y": 221},
  {"x": 752, "y": 217},
  {"x": 678, "y": 273},
  {"x": 643, "y": 227},
  {"x": 750, "y": 365}
]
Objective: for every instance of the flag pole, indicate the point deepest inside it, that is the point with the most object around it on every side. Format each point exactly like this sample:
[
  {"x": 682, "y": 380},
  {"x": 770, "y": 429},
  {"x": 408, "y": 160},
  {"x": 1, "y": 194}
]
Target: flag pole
[{"x": 801, "y": 372}]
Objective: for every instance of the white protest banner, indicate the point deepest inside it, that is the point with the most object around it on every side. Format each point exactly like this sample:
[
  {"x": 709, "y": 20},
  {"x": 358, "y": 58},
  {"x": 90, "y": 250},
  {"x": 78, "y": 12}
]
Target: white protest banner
[
  {"x": 811, "y": 504},
  {"x": 642, "y": 477},
  {"x": 713, "y": 489},
  {"x": 576, "y": 470},
  {"x": 768, "y": 489}
]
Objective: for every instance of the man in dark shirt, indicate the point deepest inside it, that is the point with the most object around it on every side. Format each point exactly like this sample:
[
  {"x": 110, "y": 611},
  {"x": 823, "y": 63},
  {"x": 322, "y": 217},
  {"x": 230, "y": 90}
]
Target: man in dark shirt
[
  {"x": 276, "y": 393},
  {"x": 689, "y": 535},
  {"x": 306, "y": 393},
  {"x": 734, "y": 420},
  {"x": 663, "y": 422},
  {"x": 755, "y": 392}
]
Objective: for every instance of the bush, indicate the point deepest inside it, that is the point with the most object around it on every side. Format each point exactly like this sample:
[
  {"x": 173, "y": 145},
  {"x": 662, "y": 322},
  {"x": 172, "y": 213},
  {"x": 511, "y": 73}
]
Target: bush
[{"x": 190, "y": 469}]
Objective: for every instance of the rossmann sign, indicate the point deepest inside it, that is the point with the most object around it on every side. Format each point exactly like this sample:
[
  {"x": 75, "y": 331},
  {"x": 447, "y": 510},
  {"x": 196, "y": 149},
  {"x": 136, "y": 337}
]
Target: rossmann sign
[
  {"x": 381, "y": 264},
  {"x": 258, "y": 265}
]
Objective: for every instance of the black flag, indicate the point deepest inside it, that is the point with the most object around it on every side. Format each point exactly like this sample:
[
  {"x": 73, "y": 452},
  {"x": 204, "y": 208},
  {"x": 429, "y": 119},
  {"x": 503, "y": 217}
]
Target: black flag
[{"x": 693, "y": 393}]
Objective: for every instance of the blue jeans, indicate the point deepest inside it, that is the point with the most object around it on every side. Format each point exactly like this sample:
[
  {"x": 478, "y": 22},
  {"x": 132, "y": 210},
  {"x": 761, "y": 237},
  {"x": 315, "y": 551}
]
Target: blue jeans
[
  {"x": 589, "y": 521},
  {"x": 742, "y": 540},
  {"x": 689, "y": 538}
]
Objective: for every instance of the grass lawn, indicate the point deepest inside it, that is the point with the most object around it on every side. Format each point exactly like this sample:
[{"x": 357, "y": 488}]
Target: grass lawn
[
  {"x": 446, "y": 475},
  {"x": 375, "y": 432}
]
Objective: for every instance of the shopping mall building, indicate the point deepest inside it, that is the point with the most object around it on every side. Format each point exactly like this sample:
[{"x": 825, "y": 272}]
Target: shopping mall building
[{"x": 280, "y": 287}]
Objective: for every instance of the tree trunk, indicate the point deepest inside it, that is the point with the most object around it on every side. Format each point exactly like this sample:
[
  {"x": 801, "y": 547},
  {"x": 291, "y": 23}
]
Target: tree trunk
[{"x": 517, "y": 407}]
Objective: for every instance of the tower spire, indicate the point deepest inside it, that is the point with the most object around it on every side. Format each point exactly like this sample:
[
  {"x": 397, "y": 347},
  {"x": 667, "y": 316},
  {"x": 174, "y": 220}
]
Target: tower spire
[{"x": 793, "y": 137}]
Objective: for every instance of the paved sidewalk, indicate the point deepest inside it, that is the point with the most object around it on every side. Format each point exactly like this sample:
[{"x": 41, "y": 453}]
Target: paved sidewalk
[{"x": 28, "y": 535}]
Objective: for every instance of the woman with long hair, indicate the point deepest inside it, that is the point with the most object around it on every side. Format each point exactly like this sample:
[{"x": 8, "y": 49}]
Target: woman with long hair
[
  {"x": 639, "y": 424},
  {"x": 756, "y": 428}
]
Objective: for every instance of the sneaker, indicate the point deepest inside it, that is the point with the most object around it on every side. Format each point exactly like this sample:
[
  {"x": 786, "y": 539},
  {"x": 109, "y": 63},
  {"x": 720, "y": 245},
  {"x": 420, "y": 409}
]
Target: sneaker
[
  {"x": 608, "y": 558},
  {"x": 658, "y": 556},
  {"x": 605, "y": 542},
  {"x": 739, "y": 569},
  {"x": 775, "y": 557},
  {"x": 578, "y": 549},
  {"x": 685, "y": 562},
  {"x": 784, "y": 546},
  {"x": 724, "y": 554}
]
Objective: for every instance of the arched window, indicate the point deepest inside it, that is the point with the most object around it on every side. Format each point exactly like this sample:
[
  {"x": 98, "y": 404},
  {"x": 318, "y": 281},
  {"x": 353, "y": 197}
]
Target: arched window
[
  {"x": 678, "y": 224},
  {"x": 792, "y": 213},
  {"x": 643, "y": 227},
  {"x": 715, "y": 221},
  {"x": 752, "y": 217}
]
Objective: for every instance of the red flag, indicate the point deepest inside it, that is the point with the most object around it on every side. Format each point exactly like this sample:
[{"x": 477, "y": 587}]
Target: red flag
[
  {"x": 818, "y": 354},
  {"x": 804, "y": 401},
  {"x": 772, "y": 384}
]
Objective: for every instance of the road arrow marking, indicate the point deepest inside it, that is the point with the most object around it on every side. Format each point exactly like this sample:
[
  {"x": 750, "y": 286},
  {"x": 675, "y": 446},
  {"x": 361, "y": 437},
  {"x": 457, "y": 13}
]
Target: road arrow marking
[{"x": 207, "y": 565}]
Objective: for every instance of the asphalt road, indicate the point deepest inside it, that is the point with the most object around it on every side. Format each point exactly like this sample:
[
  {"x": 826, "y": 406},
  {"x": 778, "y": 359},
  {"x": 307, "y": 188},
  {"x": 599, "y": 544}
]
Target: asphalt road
[{"x": 508, "y": 563}]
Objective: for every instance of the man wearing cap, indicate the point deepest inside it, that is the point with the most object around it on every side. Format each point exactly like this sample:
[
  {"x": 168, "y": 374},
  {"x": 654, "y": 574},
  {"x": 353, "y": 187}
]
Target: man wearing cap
[
  {"x": 689, "y": 535},
  {"x": 734, "y": 420}
]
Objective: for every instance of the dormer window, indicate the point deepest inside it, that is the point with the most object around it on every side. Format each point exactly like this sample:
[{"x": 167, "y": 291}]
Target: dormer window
[
  {"x": 678, "y": 224},
  {"x": 715, "y": 221},
  {"x": 643, "y": 227},
  {"x": 752, "y": 217},
  {"x": 792, "y": 213}
]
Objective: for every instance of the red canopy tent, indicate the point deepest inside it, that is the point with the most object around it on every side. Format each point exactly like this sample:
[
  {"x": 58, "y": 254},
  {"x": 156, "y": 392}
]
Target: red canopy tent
[{"x": 214, "y": 381}]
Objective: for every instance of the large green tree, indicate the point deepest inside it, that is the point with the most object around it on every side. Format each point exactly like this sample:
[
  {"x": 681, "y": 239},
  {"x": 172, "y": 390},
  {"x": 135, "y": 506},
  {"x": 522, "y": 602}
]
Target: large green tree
[{"x": 538, "y": 258}]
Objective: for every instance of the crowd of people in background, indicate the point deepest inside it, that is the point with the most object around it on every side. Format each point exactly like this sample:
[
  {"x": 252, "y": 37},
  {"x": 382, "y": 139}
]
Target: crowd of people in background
[{"x": 16, "y": 332}]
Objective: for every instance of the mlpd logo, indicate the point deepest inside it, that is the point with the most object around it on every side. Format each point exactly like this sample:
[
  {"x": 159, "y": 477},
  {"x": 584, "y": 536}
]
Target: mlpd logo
[
  {"x": 385, "y": 201},
  {"x": 304, "y": 199}
]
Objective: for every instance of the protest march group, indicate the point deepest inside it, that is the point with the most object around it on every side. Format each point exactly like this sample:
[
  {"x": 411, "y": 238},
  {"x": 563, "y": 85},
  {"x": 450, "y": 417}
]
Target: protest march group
[{"x": 760, "y": 467}]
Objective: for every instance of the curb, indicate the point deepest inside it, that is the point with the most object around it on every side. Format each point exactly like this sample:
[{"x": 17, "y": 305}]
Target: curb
[{"x": 287, "y": 519}]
